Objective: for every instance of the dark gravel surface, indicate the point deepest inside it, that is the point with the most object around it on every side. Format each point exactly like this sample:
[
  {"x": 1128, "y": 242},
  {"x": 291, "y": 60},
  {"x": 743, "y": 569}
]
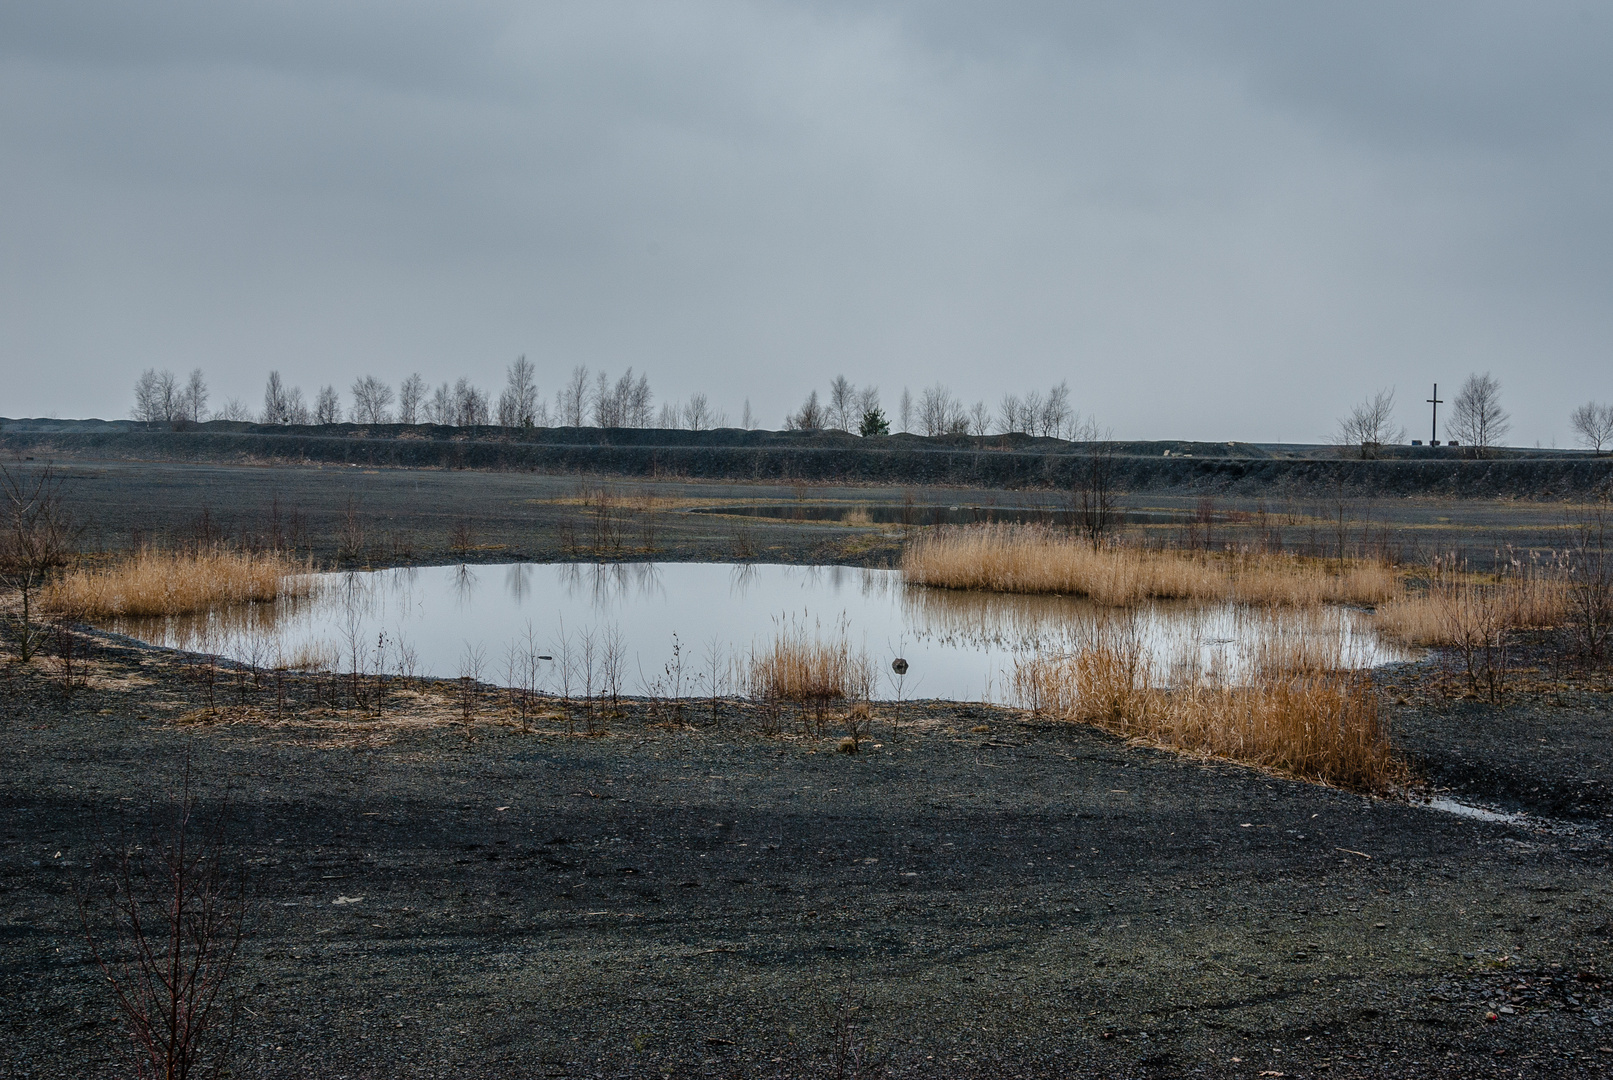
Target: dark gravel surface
[{"x": 981, "y": 896}]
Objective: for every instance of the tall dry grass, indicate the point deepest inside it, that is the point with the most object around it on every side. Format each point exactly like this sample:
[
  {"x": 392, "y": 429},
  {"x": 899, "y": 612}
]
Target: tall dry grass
[
  {"x": 1034, "y": 559},
  {"x": 1456, "y": 604},
  {"x": 812, "y": 668},
  {"x": 153, "y": 583},
  {"x": 1313, "y": 722}
]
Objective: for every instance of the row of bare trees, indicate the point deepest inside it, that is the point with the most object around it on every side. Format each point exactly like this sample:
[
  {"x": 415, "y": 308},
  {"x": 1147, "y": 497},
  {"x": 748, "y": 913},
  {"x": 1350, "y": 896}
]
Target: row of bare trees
[
  {"x": 937, "y": 411},
  {"x": 586, "y": 399}
]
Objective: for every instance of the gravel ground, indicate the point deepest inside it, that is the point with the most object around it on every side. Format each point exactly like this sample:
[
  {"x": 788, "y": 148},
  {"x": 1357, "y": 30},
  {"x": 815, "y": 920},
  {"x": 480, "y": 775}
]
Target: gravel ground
[{"x": 975, "y": 895}]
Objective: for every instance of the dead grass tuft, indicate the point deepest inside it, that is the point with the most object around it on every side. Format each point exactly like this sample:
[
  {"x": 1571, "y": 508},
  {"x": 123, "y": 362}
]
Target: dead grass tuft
[
  {"x": 812, "y": 668},
  {"x": 152, "y": 583},
  {"x": 1035, "y": 559},
  {"x": 1311, "y": 721}
]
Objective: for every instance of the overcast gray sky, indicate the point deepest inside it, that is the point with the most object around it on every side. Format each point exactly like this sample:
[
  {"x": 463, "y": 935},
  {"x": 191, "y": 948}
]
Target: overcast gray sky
[{"x": 1220, "y": 221}]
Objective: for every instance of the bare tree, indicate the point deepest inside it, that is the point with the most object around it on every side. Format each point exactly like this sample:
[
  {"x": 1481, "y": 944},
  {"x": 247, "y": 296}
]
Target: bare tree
[
  {"x": 439, "y": 408},
  {"x": 573, "y": 399},
  {"x": 157, "y": 397},
  {"x": 942, "y": 414},
  {"x": 372, "y": 401},
  {"x": 1477, "y": 416},
  {"x": 327, "y": 406},
  {"x": 1593, "y": 426},
  {"x": 979, "y": 419},
  {"x": 1055, "y": 415},
  {"x": 193, "y": 399},
  {"x": 867, "y": 399},
  {"x": 470, "y": 405},
  {"x": 177, "y": 916},
  {"x": 842, "y": 399},
  {"x": 1371, "y": 424},
  {"x": 670, "y": 418},
  {"x": 234, "y": 409},
  {"x": 1008, "y": 414},
  {"x": 411, "y": 397},
  {"x": 639, "y": 401},
  {"x": 697, "y": 414},
  {"x": 296, "y": 408},
  {"x": 36, "y": 541},
  {"x": 1095, "y": 499},
  {"x": 275, "y": 410},
  {"x": 905, "y": 410},
  {"x": 1030, "y": 411},
  {"x": 747, "y": 420},
  {"x": 811, "y": 417},
  {"x": 518, "y": 404}
]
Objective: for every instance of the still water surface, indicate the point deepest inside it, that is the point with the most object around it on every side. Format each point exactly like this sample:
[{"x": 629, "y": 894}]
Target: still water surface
[{"x": 960, "y": 646}]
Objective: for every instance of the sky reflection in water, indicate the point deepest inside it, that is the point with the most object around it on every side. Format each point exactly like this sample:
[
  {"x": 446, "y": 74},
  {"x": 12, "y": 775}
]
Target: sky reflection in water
[{"x": 960, "y": 645}]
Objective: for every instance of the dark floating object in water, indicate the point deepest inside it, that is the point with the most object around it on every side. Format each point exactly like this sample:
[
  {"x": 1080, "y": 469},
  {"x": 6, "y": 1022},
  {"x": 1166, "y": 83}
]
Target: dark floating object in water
[{"x": 899, "y": 666}]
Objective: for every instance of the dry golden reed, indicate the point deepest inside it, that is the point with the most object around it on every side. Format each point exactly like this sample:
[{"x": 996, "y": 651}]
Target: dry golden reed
[
  {"x": 1033, "y": 559},
  {"x": 1313, "y": 722},
  {"x": 1459, "y": 608},
  {"x": 812, "y": 668},
  {"x": 153, "y": 582}
]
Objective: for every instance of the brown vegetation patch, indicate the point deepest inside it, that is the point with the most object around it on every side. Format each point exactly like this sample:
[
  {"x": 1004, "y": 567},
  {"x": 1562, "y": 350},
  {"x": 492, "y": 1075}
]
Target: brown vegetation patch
[
  {"x": 1035, "y": 559},
  {"x": 154, "y": 583}
]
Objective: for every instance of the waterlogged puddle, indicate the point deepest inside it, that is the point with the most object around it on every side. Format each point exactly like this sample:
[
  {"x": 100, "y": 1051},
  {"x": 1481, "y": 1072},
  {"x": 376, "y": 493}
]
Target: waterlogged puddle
[{"x": 960, "y": 646}]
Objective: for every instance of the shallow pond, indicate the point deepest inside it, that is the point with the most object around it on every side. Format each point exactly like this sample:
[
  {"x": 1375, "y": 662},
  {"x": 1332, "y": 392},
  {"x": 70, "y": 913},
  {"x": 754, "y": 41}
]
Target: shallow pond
[{"x": 960, "y": 646}]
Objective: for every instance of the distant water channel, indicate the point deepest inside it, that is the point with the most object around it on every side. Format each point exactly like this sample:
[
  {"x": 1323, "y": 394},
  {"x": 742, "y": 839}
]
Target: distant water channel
[{"x": 960, "y": 646}]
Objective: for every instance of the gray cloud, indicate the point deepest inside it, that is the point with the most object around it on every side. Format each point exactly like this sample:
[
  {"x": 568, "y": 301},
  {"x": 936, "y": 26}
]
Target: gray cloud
[{"x": 1220, "y": 222}]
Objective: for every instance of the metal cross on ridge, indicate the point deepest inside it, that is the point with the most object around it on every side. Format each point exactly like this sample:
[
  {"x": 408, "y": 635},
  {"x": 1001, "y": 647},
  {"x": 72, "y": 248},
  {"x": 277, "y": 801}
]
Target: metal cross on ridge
[{"x": 1433, "y": 430}]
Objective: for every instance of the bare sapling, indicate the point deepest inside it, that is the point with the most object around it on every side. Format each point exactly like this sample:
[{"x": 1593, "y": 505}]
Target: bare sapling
[
  {"x": 587, "y": 670},
  {"x": 69, "y": 668},
  {"x": 565, "y": 671},
  {"x": 471, "y": 662},
  {"x": 613, "y": 654},
  {"x": 712, "y": 670},
  {"x": 675, "y": 678},
  {"x": 37, "y": 537},
  {"x": 165, "y": 927},
  {"x": 379, "y": 681}
]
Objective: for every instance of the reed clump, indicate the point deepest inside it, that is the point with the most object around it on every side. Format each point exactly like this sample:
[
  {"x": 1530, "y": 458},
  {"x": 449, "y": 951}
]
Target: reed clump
[
  {"x": 811, "y": 668},
  {"x": 1459, "y": 607},
  {"x": 1036, "y": 559},
  {"x": 153, "y": 582},
  {"x": 1310, "y": 721}
]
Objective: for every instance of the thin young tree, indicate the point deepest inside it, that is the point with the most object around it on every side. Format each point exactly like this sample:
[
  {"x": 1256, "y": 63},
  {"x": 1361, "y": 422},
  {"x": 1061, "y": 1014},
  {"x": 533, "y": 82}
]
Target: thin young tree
[
  {"x": 165, "y": 928},
  {"x": 327, "y": 406},
  {"x": 518, "y": 404},
  {"x": 296, "y": 408},
  {"x": 37, "y": 536},
  {"x": 697, "y": 414},
  {"x": 411, "y": 398},
  {"x": 1371, "y": 425},
  {"x": 1593, "y": 426},
  {"x": 276, "y": 408},
  {"x": 1477, "y": 416},
  {"x": 573, "y": 399},
  {"x": 842, "y": 402},
  {"x": 193, "y": 399},
  {"x": 904, "y": 410},
  {"x": 811, "y": 417},
  {"x": 157, "y": 396},
  {"x": 372, "y": 401},
  {"x": 469, "y": 404}
]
